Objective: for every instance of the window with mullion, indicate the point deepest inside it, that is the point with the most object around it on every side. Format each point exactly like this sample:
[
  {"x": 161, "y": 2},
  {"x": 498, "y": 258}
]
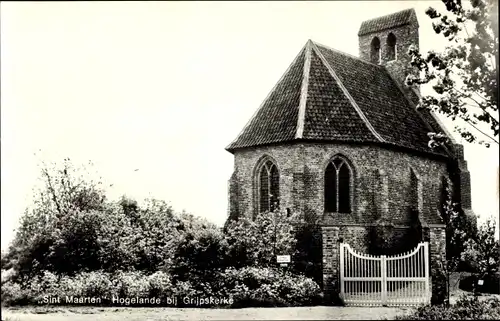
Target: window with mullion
[
  {"x": 274, "y": 188},
  {"x": 264, "y": 189},
  {"x": 337, "y": 187},
  {"x": 268, "y": 187}
]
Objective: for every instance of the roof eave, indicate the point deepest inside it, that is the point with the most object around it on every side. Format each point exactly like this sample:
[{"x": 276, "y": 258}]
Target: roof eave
[{"x": 389, "y": 145}]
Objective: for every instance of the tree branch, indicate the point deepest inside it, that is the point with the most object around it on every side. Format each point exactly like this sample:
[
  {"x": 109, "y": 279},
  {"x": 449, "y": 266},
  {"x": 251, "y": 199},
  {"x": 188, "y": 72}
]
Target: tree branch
[
  {"x": 481, "y": 131},
  {"x": 51, "y": 189},
  {"x": 479, "y": 105}
]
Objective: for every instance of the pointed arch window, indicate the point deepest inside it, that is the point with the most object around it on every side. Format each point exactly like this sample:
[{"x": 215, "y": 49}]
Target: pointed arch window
[
  {"x": 268, "y": 187},
  {"x": 375, "y": 51},
  {"x": 391, "y": 47},
  {"x": 338, "y": 186}
]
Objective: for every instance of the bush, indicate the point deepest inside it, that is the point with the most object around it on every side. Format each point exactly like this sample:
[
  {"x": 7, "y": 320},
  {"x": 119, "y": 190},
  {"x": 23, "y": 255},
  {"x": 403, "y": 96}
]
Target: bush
[
  {"x": 466, "y": 308},
  {"x": 12, "y": 294},
  {"x": 200, "y": 255},
  {"x": 73, "y": 242},
  {"x": 160, "y": 285},
  {"x": 308, "y": 257},
  {"x": 491, "y": 284},
  {"x": 256, "y": 242},
  {"x": 132, "y": 284},
  {"x": 248, "y": 286},
  {"x": 253, "y": 286},
  {"x": 386, "y": 239},
  {"x": 482, "y": 252}
]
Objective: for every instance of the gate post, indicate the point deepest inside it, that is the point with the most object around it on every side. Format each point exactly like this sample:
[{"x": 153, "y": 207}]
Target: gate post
[
  {"x": 383, "y": 274},
  {"x": 331, "y": 259},
  {"x": 426, "y": 272},
  {"x": 438, "y": 263},
  {"x": 342, "y": 264}
]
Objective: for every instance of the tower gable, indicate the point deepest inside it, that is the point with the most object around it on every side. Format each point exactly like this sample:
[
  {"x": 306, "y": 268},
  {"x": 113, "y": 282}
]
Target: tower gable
[{"x": 386, "y": 40}]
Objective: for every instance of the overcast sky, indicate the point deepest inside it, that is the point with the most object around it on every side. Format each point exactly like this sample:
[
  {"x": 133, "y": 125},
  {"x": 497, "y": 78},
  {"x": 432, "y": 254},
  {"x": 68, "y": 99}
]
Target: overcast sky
[{"x": 164, "y": 87}]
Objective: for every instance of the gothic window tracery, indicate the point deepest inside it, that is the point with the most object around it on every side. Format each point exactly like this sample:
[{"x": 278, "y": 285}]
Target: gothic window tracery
[
  {"x": 338, "y": 186},
  {"x": 268, "y": 186}
]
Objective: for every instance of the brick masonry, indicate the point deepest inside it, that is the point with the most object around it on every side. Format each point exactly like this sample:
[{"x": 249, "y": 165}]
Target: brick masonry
[
  {"x": 381, "y": 182},
  {"x": 463, "y": 179},
  {"x": 331, "y": 263},
  {"x": 437, "y": 251},
  {"x": 406, "y": 36}
]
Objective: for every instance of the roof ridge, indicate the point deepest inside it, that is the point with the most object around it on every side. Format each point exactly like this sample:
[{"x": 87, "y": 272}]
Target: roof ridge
[
  {"x": 304, "y": 89},
  {"x": 390, "y": 20},
  {"x": 389, "y": 14},
  {"x": 267, "y": 97},
  {"x": 346, "y": 93},
  {"x": 347, "y": 54}
]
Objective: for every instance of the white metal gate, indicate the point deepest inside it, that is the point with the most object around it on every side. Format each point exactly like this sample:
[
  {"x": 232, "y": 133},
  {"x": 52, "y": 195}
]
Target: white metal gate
[{"x": 389, "y": 281}]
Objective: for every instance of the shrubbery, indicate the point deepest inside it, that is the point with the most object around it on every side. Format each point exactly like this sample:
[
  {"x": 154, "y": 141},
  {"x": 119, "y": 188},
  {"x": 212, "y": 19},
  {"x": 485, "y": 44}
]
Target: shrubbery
[
  {"x": 467, "y": 308},
  {"x": 253, "y": 286},
  {"x": 245, "y": 287},
  {"x": 74, "y": 242}
]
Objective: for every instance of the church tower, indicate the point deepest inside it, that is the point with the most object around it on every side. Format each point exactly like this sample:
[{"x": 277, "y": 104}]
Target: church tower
[{"x": 385, "y": 41}]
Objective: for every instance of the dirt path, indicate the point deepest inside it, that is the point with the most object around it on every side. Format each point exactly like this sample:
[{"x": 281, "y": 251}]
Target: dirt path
[{"x": 157, "y": 314}]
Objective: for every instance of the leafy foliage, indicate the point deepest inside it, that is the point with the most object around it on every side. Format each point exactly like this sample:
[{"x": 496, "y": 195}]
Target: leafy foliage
[
  {"x": 200, "y": 254},
  {"x": 464, "y": 76},
  {"x": 252, "y": 286},
  {"x": 308, "y": 253},
  {"x": 256, "y": 242},
  {"x": 483, "y": 251},
  {"x": 249, "y": 286},
  {"x": 459, "y": 228},
  {"x": 385, "y": 239},
  {"x": 65, "y": 193},
  {"x": 100, "y": 248},
  {"x": 466, "y": 308}
]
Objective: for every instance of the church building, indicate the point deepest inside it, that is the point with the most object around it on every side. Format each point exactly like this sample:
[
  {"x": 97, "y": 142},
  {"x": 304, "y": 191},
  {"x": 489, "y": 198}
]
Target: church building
[{"x": 339, "y": 140}]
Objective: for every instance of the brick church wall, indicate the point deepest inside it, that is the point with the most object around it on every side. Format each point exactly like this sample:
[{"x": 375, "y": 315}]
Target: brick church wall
[
  {"x": 285, "y": 158},
  {"x": 384, "y": 188},
  {"x": 301, "y": 167}
]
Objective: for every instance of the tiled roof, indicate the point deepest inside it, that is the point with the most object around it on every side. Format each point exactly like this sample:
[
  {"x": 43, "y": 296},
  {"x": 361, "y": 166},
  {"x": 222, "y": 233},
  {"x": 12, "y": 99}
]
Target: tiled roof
[
  {"x": 329, "y": 113},
  {"x": 380, "y": 99},
  {"x": 392, "y": 20},
  {"x": 332, "y": 96}
]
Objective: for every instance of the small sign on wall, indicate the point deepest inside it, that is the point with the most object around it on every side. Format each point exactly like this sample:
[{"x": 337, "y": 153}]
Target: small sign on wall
[
  {"x": 480, "y": 282},
  {"x": 283, "y": 258}
]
